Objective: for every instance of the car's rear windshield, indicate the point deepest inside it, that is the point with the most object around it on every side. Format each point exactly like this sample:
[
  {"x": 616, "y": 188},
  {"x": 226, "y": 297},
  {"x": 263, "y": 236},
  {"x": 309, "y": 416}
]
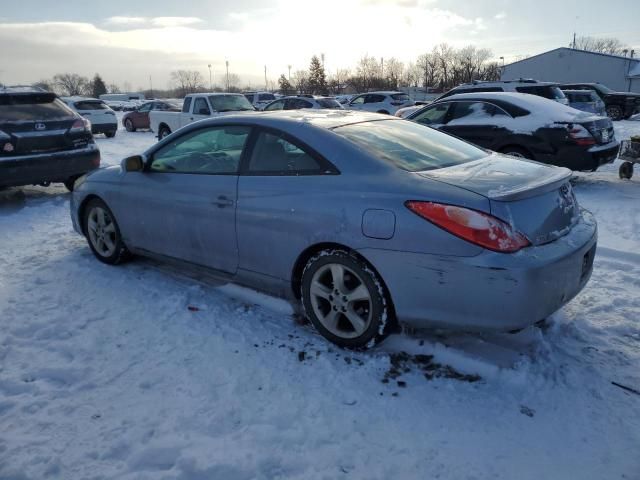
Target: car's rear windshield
[
  {"x": 328, "y": 102},
  {"x": 410, "y": 146},
  {"x": 266, "y": 96},
  {"x": 19, "y": 108},
  {"x": 403, "y": 97},
  {"x": 230, "y": 103},
  {"x": 90, "y": 105},
  {"x": 580, "y": 97},
  {"x": 551, "y": 92}
]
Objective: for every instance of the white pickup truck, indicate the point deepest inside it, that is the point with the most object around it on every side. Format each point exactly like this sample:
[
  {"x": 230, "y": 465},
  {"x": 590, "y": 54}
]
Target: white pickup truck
[{"x": 197, "y": 106}]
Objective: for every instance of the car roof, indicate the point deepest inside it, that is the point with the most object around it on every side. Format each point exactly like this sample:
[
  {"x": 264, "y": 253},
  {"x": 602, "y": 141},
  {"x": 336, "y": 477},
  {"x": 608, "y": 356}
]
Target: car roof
[
  {"x": 79, "y": 98},
  {"x": 382, "y": 92},
  {"x": 326, "y": 119},
  {"x": 22, "y": 90},
  {"x": 581, "y": 92}
]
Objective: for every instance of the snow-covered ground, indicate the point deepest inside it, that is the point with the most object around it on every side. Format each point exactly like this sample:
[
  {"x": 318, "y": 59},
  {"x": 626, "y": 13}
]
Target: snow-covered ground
[{"x": 137, "y": 372}]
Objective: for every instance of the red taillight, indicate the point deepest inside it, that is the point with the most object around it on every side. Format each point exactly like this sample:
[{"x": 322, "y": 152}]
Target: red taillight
[
  {"x": 80, "y": 125},
  {"x": 96, "y": 160},
  {"x": 580, "y": 135},
  {"x": 476, "y": 227}
]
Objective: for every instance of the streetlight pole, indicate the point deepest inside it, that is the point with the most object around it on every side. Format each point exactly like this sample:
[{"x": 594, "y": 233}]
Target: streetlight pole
[
  {"x": 266, "y": 86},
  {"x": 210, "y": 82},
  {"x": 227, "y": 63},
  {"x": 502, "y": 69}
]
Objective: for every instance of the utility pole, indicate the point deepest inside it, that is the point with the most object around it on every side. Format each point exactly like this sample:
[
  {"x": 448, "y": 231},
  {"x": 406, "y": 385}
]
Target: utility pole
[
  {"x": 574, "y": 40},
  {"x": 266, "y": 86},
  {"x": 227, "y": 63},
  {"x": 150, "y": 86},
  {"x": 210, "y": 81},
  {"x": 382, "y": 67}
]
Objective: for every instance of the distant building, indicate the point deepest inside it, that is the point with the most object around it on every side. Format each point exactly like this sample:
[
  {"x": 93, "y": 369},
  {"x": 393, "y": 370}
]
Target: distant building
[{"x": 567, "y": 65}]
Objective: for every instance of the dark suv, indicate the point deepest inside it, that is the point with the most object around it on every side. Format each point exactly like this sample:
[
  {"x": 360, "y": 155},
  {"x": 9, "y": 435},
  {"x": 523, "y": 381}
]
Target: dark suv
[
  {"x": 548, "y": 90},
  {"x": 42, "y": 140},
  {"x": 618, "y": 105}
]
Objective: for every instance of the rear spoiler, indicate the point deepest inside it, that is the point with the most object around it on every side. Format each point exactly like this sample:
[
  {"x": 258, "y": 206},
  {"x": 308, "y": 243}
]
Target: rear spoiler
[{"x": 531, "y": 189}]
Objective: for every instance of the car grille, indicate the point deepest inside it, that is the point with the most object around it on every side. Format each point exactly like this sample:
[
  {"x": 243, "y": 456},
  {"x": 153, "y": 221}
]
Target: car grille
[{"x": 602, "y": 130}]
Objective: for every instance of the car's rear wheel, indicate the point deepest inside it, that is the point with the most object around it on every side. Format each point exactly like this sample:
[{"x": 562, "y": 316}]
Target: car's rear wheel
[
  {"x": 110, "y": 134},
  {"x": 517, "y": 152},
  {"x": 614, "y": 112},
  {"x": 344, "y": 299},
  {"x": 164, "y": 132},
  {"x": 128, "y": 125},
  {"x": 70, "y": 182},
  {"x": 383, "y": 111},
  {"x": 103, "y": 233}
]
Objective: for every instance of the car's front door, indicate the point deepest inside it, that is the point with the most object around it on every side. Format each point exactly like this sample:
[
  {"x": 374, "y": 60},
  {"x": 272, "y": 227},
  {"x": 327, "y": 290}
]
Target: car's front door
[
  {"x": 141, "y": 116},
  {"x": 183, "y": 204},
  {"x": 357, "y": 103},
  {"x": 434, "y": 116}
]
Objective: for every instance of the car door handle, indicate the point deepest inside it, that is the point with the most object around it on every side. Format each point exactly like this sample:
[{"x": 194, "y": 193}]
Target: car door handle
[{"x": 222, "y": 201}]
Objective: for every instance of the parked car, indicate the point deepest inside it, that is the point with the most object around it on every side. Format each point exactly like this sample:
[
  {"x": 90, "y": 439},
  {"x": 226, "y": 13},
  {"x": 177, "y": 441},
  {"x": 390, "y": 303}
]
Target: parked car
[
  {"x": 139, "y": 118},
  {"x": 525, "y": 126},
  {"x": 406, "y": 111},
  {"x": 42, "y": 140},
  {"x": 296, "y": 103},
  {"x": 102, "y": 118},
  {"x": 259, "y": 99},
  {"x": 586, "y": 100},
  {"x": 380, "y": 102},
  {"x": 343, "y": 99},
  {"x": 197, "y": 106},
  {"x": 549, "y": 90},
  {"x": 618, "y": 105},
  {"x": 361, "y": 220}
]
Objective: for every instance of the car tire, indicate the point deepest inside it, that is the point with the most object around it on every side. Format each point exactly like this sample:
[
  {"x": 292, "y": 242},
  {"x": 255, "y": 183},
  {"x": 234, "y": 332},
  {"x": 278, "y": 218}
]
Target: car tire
[
  {"x": 103, "y": 233},
  {"x": 110, "y": 134},
  {"x": 614, "y": 112},
  {"x": 383, "y": 111},
  {"x": 515, "y": 151},
  {"x": 359, "y": 314},
  {"x": 163, "y": 132},
  {"x": 70, "y": 182},
  {"x": 128, "y": 125},
  {"x": 626, "y": 171}
]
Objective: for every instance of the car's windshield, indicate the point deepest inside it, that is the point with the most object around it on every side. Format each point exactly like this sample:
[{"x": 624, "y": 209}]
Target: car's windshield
[
  {"x": 410, "y": 146},
  {"x": 229, "y": 103}
]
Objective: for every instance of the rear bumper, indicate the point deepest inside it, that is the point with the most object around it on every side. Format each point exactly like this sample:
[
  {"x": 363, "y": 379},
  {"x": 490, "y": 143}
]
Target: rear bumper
[
  {"x": 582, "y": 159},
  {"x": 490, "y": 291},
  {"x": 47, "y": 167}
]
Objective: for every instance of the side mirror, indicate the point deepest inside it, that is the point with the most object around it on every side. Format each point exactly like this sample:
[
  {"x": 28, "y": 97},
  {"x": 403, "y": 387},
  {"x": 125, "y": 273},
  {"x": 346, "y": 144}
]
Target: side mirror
[{"x": 134, "y": 163}]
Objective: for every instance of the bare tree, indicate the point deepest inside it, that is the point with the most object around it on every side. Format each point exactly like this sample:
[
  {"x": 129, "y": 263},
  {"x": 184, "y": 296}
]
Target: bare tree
[
  {"x": 300, "y": 79},
  {"x": 113, "y": 88},
  {"x": 368, "y": 69},
  {"x": 608, "y": 45},
  {"x": 393, "y": 70},
  {"x": 71, "y": 83},
  {"x": 188, "y": 81}
]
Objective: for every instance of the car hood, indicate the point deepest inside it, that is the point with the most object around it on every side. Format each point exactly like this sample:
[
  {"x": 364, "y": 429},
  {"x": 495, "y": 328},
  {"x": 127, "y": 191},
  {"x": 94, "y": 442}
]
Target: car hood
[
  {"x": 503, "y": 178},
  {"x": 104, "y": 174}
]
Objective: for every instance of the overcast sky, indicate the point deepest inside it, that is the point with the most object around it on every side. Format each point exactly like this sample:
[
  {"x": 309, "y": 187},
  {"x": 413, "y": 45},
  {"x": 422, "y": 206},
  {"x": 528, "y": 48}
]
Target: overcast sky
[{"x": 129, "y": 41}]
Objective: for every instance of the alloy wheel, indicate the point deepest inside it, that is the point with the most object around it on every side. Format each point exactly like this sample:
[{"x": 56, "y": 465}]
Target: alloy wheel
[
  {"x": 102, "y": 231},
  {"x": 341, "y": 301}
]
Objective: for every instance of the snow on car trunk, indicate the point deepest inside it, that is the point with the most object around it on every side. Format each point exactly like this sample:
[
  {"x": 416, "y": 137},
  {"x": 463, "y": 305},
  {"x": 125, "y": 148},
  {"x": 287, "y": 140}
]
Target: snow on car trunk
[{"x": 534, "y": 199}]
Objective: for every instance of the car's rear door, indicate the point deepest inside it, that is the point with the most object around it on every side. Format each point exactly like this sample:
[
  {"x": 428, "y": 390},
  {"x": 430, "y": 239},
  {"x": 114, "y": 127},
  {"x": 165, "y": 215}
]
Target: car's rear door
[
  {"x": 183, "y": 205},
  {"x": 477, "y": 122}
]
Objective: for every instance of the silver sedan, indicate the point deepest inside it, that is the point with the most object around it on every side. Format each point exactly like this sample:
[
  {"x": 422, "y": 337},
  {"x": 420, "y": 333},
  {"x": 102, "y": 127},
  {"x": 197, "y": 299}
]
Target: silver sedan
[{"x": 363, "y": 221}]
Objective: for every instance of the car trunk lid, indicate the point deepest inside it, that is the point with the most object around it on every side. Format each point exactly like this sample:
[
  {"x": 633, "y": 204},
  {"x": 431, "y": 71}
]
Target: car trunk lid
[
  {"x": 36, "y": 137},
  {"x": 536, "y": 200}
]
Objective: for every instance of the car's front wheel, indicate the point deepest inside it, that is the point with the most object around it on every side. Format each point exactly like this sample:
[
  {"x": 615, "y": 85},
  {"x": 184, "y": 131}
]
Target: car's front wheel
[
  {"x": 614, "y": 112},
  {"x": 344, "y": 299},
  {"x": 103, "y": 234},
  {"x": 164, "y": 132}
]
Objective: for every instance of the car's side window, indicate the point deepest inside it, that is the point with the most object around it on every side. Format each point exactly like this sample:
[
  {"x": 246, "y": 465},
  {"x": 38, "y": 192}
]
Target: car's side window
[
  {"x": 274, "y": 155},
  {"x": 145, "y": 108},
  {"x": 358, "y": 100},
  {"x": 469, "y": 112},
  {"x": 201, "y": 107},
  {"x": 279, "y": 105},
  {"x": 374, "y": 99},
  {"x": 186, "y": 105},
  {"x": 213, "y": 150},
  {"x": 299, "y": 103},
  {"x": 434, "y": 115}
]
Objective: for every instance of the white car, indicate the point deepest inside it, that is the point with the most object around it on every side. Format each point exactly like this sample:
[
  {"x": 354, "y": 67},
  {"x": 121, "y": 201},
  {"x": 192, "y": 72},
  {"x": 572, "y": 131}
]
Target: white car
[
  {"x": 380, "y": 102},
  {"x": 406, "y": 111},
  {"x": 197, "y": 106},
  {"x": 102, "y": 117},
  {"x": 259, "y": 99},
  {"x": 297, "y": 103}
]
